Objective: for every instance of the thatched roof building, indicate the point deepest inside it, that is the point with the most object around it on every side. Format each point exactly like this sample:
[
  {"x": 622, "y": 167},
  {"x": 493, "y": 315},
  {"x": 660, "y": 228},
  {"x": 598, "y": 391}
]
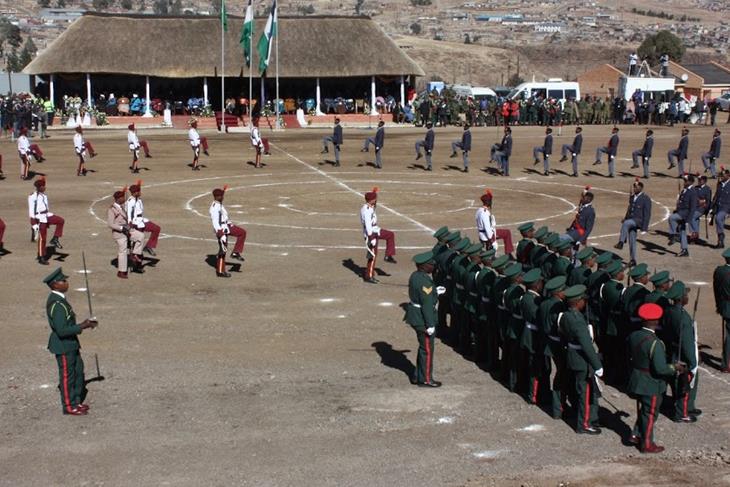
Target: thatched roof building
[{"x": 189, "y": 47}]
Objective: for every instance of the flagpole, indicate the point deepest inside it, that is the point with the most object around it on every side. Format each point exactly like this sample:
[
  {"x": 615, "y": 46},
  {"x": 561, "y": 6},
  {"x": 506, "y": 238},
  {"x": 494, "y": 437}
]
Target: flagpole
[
  {"x": 250, "y": 69},
  {"x": 223, "y": 67},
  {"x": 277, "y": 68}
]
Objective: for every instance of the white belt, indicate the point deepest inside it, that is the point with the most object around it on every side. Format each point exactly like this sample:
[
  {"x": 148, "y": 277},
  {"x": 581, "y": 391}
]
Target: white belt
[
  {"x": 485, "y": 300},
  {"x": 415, "y": 305},
  {"x": 502, "y": 307},
  {"x": 530, "y": 326},
  {"x": 554, "y": 338},
  {"x": 472, "y": 294},
  {"x": 573, "y": 346},
  {"x": 459, "y": 286},
  {"x": 517, "y": 317}
]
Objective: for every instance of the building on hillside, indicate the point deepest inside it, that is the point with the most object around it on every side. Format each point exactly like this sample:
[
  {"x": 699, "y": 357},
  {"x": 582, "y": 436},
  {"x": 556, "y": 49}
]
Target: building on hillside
[
  {"x": 707, "y": 81},
  {"x": 176, "y": 57},
  {"x": 606, "y": 80}
]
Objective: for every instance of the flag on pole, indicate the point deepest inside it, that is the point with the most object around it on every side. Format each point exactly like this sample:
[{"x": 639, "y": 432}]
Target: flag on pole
[
  {"x": 224, "y": 16},
  {"x": 264, "y": 45},
  {"x": 247, "y": 33}
]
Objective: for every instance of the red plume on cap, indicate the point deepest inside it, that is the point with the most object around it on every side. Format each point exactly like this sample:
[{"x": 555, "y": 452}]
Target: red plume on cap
[
  {"x": 372, "y": 195},
  {"x": 586, "y": 189},
  {"x": 375, "y": 189},
  {"x": 636, "y": 179},
  {"x": 225, "y": 188},
  {"x": 124, "y": 189}
]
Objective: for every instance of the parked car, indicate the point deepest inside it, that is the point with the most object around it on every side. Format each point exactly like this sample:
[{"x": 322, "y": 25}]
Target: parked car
[{"x": 724, "y": 102}]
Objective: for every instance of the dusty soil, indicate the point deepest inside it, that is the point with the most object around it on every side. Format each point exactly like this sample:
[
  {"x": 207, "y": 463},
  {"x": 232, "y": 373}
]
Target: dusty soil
[{"x": 294, "y": 372}]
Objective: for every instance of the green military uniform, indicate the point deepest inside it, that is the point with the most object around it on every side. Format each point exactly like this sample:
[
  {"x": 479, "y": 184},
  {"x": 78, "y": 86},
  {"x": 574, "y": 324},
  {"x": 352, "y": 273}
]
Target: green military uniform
[
  {"x": 443, "y": 278},
  {"x": 554, "y": 348},
  {"x": 471, "y": 298},
  {"x": 421, "y": 315},
  {"x": 530, "y": 339},
  {"x": 512, "y": 329},
  {"x": 659, "y": 295},
  {"x": 537, "y": 252},
  {"x": 457, "y": 270},
  {"x": 525, "y": 245},
  {"x": 611, "y": 323},
  {"x": 648, "y": 379},
  {"x": 561, "y": 266},
  {"x": 501, "y": 317},
  {"x": 683, "y": 333},
  {"x": 721, "y": 287},
  {"x": 64, "y": 344},
  {"x": 548, "y": 259},
  {"x": 484, "y": 280},
  {"x": 582, "y": 360},
  {"x": 580, "y": 273}
]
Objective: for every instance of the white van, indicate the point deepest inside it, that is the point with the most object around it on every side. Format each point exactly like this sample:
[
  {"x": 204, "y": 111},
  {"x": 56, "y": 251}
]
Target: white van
[
  {"x": 476, "y": 92},
  {"x": 552, "y": 88}
]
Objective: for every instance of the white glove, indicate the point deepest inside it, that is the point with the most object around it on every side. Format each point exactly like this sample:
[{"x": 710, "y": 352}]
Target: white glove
[
  {"x": 440, "y": 290},
  {"x": 574, "y": 154},
  {"x": 373, "y": 242},
  {"x": 495, "y": 245},
  {"x": 430, "y": 330},
  {"x": 35, "y": 227},
  {"x": 694, "y": 379},
  {"x": 599, "y": 372},
  {"x": 642, "y": 233},
  {"x": 226, "y": 230}
]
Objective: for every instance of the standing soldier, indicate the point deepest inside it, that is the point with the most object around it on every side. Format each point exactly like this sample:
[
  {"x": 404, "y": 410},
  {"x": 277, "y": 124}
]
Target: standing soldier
[
  {"x": 645, "y": 153},
  {"x": 721, "y": 287},
  {"x": 637, "y": 218},
  {"x": 582, "y": 360},
  {"x": 585, "y": 259},
  {"x": 471, "y": 300},
  {"x": 82, "y": 148},
  {"x": 335, "y": 139},
  {"x": 500, "y": 153},
  {"x": 680, "y": 153},
  {"x": 134, "y": 145},
  {"x": 548, "y": 313},
  {"x": 443, "y": 265},
  {"x": 223, "y": 228},
  {"x": 634, "y": 296},
  {"x": 546, "y": 149},
  {"x": 539, "y": 250},
  {"x": 500, "y": 315},
  {"x": 686, "y": 204},
  {"x": 661, "y": 283},
  {"x": 530, "y": 339},
  {"x": 41, "y": 217},
  {"x": 683, "y": 344},
  {"x": 709, "y": 158},
  {"x": 123, "y": 233},
  {"x": 427, "y": 145},
  {"x": 514, "y": 324},
  {"x": 378, "y": 140},
  {"x": 721, "y": 207},
  {"x": 196, "y": 141},
  {"x": 649, "y": 375},
  {"x": 464, "y": 145},
  {"x": 484, "y": 281},
  {"x": 421, "y": 315},
  {"x": 611, "y": 150},
  {"x": 612, "y": 330},
  {"x": 703, "y": 194},
  {"x": 485, "y": 223},
  {"x": 526, "y": 244},
  {"x": 574, "y": 149},
  {"x": 372, "y": 233},
  {"x": 64, "y": 344},
  {"x": 136, "y": 218}
]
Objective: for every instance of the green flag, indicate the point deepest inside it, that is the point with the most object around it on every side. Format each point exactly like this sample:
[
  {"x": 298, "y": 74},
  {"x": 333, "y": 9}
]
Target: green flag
[
  {"x": 224, "y": 16},
  {"x": 247, "y": 34},
  {"x": 265, "y": 41}
]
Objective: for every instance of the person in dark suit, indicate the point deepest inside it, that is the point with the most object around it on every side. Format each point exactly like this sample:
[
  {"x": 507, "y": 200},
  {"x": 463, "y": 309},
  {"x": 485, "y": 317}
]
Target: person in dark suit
[
  {"x": 546, "y": 150},
  {"x": 721, "y": 207},
  {"x": 464, "y": 145},
  {"x": 644, "y": 153},
  {"x": 638, "y": 215},
  {"x": 427, "y": 145},
  {"x": 582, "y": 225},
  {"x": 709, "y": 158},
  {"x": 704, "y": 198},
  {"x": 611, "y": 150},
  {"x": 335, "y": 139},
  {"x": 501, "y": 152},
  {"x": 680, "y": 153},
  {"x": 686, "y": 204},
  {"x": 378, "y": 142},
  {"x": 574, "y": 150}
]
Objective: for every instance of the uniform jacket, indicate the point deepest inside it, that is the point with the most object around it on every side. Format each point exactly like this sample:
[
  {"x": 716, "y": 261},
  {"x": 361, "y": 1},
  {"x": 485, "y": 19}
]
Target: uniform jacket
[
  {"x": 679, "y": 326},
  {"x": 639, "y": 210},
  {"x": 715, "y": 146},
  {"x": 38, "y": 209},
  {"x": 686, "y": 202},
  {"x": 116, "y": 218},
  {"x": 79, "y": 143},
  {"x": 194, "y": 137},
  {"x": 577, "y": 143},
  {"x": 561, "y": 267},
  {"x": 580, "y": 352},
  {"x": 634, "y": 296},
  {"x": 613, "y": 145},
  {"x": 547, "y": 145},
  {"x": 369, "y": 220},
  {"x": 485, "y": 225},
  {"x": 611, "y": 310},
  {"x": 529, "y": 305},
  {"x": 466, "y": 140},
  {"x": 683, "y": 147},
  {"x": 515, "y": 321},
  {"x": 485, "y": 280},
  {"x": 650, "y": 370},
  {"x": 132, "y": 140},
  {"x": 506, "y": 145},
  {"x": 722, "y": 197},
  {"x": 23, "y": 145},
  {"x": 579, "y": 275},
  {"x": 219, "y": 216},
  {"x": 721, "y": 286},
  {"x": 429, "y": 140},
  {"x": 135, "y": 212},
  {"x": 582, "y": 226},
  {"x": 379, "y": 138},
  {"x": 704, "y": 198},
  {"x": 421, "y": 310},
  {"x": 524, "y": 248},
  {"x": 64, "y": 330},
  {"x": 547, "y": 317},
  {"x": 337, "y": 135},
  {"x": 648, "y": 147}
]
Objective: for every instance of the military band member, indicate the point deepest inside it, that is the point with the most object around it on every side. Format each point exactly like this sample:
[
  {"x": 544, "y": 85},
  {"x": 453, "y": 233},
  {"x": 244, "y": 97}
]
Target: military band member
[
  {"x": 196, "y": 142},
  {"x": 377, "y": 141},
  {"x": 704, "y": 199},
  {"x": 514, "y": 324},
  {"x": 710, "y": 157},
  {"x": 679, "y": 220},
  {"x": 41, "y": 217},
  {"x": 134, "y": 144},
  {"x": 546, "y": 149},
  {"x": 680, "y": 153},
  {"x": 421, "y": 315},
  {"x": 486, "y": 227},
  {"x": 649, "y": 375},
  {"x": 260, "y": 144},
  {"x": 721, "y": 207},
  {"x": 335, "y": 139},
  {"x": 373, "y": 233},
  {"x": 427, "y": 145},
  {"x": 500, "y": 153},
  {"x": 123, "y": 233},
  {"x": 464, "y": 145},
  {"x": 136, "y": 218},
  {"x": 582, "y": 360},
  {"x": 610, "y": 150},
  {"x": 64, "y": 344},
  {"x": 574, "y": 150},
  {"x": 721, "y": 288},
  {"x": 530, "y": 338},
  {"x": 637, "y": 218},
  {"x": 82, "y": 148},
  {"x": 548, "y": 313},
  {"x": 224, "y": 228}
]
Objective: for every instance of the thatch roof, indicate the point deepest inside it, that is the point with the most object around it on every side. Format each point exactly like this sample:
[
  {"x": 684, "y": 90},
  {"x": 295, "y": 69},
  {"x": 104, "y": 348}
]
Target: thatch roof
[{"x": 186, "y": 47}]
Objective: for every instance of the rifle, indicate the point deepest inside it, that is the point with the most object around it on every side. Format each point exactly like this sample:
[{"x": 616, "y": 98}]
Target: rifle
[{"x": 88, "y": 291}]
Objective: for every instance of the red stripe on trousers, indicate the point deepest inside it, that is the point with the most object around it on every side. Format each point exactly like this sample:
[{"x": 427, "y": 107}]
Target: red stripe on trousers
[
  {"x": 66, "y": 398},
  {"x": 647, "y": 440},
  {"x": 428, "y": 358},
  {"x": 587, "y": 417},
  {"x": 685, "y": 401},
  {"x": 2, "y": 230},
  {"x": 534, "y": 389}
]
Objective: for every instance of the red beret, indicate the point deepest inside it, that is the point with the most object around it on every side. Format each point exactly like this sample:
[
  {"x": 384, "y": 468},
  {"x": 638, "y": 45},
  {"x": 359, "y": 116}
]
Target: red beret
[
  {"x": 23, "y": 130},
  {"x": 38, "y": 183},
  {"x": 130, "y": 126},
  {"x": 79, "y": 129},
  {"x": 134, "y": 188},
  {"x": 650, "y": 312},
  {"x": 218, "y": 192},
  {"x": 486, "y": 199},
  {"x": 119, "y": 194},
  {"x": 372, "y": 195}
]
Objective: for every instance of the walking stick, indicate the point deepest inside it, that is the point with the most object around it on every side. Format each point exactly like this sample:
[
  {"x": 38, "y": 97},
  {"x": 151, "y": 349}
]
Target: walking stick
[{"x": 88, "y": 291}]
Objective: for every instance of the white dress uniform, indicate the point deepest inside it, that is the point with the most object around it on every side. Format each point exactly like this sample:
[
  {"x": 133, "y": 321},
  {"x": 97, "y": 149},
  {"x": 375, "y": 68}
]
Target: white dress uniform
[
  {"x": 256, "y": 138},
  {"x": 194, "y": 138},
  {"x": 79, "y": 145},
  {"x": 38, "y": 208},
  {"x": 133, "y": 141},
  {"x": 23, "y": 146},
  {"x": 135, "y": 213},
  {"x": 219, "y": 218},
  {"x": 486, "y": 227},
  {"x": 369, "y": 221}
]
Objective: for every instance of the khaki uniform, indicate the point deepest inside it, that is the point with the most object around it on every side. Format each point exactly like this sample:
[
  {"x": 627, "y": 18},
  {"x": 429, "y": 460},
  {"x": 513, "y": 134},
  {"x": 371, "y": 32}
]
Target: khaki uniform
[{"x": 116, "y": 219}]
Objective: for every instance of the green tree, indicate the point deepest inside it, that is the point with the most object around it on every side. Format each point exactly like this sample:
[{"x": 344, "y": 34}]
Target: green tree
[
  {"x": 515, "y": 80},
  {"x": 26, "y": 54},
  {"x": 12, "y": 62},
  {"x": 43, "y": 3},
  {"x": 415, "y": 28},
  {"x": 662, "y": 42},
  {"x": 61, "y": 3},
  {"x": 126, "y": 4},
  {"x": 160, "y": 7},
  {"x": 176, "y": 8}
]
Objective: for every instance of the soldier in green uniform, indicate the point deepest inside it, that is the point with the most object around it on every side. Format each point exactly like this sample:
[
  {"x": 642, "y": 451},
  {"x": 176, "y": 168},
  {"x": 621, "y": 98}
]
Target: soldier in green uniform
[
  {"x": 421, "y": 315},
  {"x": 459, "y": 315},
  {"x": 526, "y": 243},
  {"x": 661, "y": 283},
  {"x": 594, "y": 283},
  {"x": 501, "y": 315},
  {"x": 582, "y": 360},
  {"x": 512, "y": 328},
  {"x": 456, "y": 288},
  {"x": 539, "y": 249},
  {"x": 554, "y": 348},
  {"x": 440, "y": 236},
  {"x": 586, "y": 257},
  {"x": 484, "y": 280},
  {"x": 634, "y": 296},
  {"x": 683, "y": 345},
  {"x": 530, "y": 339},
  {"x": 721, "y": 287},
  {"x": 548, "y": 258},
  {"x": 443, "y": 278},
  {"x": 562, "y": 266},
  {"x": 611, "y": 323},
  {"x": 471, "y": 299},
  {"x": 64, "y": 344},
  {"x": 649, "y": 374},
  {"x": 487, "y": 296}
]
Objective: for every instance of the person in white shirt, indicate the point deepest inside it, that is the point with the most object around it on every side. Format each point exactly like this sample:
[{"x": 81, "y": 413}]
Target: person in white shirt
[
  {"x": 372, "y": 233},
  {"x": 223, "y": 228},
  {"x": 633, "y": 62},
  {"x": 24, "y": 153},
  {"x": 134, "y": 145},
  {"x": 196, "y": 142},
  {"x": 82, "y": 148},
  {"x": 136, "y": 218},
  {"x": 41, "y": 217},
  {"x": 122, "y": 233},
  {"x": 487, "y": 227}
]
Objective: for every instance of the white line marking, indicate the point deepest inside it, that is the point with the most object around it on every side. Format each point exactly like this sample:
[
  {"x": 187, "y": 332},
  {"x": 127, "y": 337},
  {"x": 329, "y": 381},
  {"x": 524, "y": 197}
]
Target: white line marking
[
  {"x": 698, "y": 283},
  {"x": 445, "y": 420},
  {"x": 80, "y": 289},
  {"x": 327, "y": 300},
  {"x": 707, "y": 371},
  {"x": 532, "y": 427},
  {"x": 83, "y": 271},
  {"x": 486, "y": 454},
  {"x": 44, "y": 386},
  {"x": 385, "y": 304}
]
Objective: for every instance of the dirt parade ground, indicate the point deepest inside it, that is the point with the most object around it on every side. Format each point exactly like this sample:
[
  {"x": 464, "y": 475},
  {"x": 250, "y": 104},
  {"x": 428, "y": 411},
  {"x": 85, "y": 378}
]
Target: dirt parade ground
[{"x": 294, "y": 371}]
